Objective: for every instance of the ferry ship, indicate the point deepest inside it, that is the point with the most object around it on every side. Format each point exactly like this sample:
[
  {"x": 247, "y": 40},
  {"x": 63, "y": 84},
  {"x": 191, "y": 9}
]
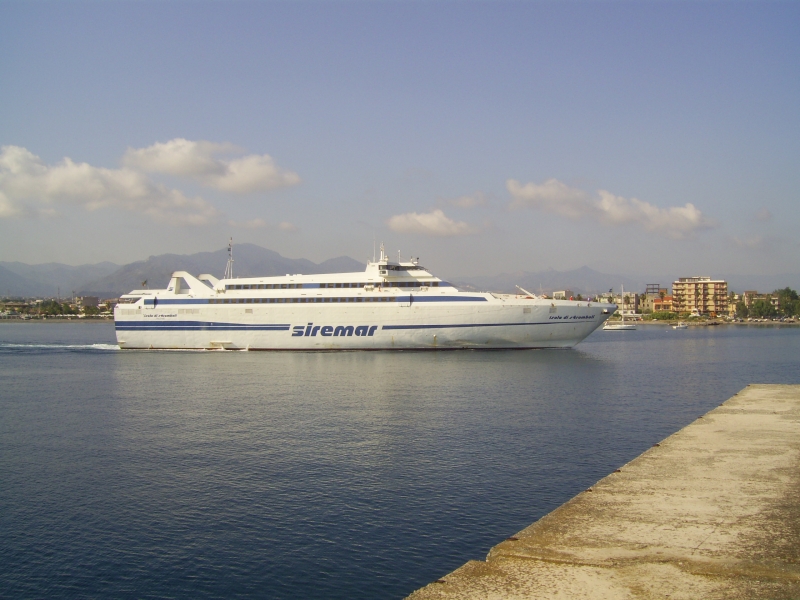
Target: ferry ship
[{"x": 390, "y": 306}]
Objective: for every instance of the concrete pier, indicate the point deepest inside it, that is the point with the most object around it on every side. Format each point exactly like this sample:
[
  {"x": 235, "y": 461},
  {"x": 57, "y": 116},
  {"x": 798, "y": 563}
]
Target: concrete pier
[{"x": 713, "y": 511}]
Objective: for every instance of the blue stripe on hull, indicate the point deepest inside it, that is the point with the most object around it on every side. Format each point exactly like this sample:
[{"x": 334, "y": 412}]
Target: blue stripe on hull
[
  {"x": 195, "y": 326},
  {"x": 452, "y": 325},
  {"x": 192, "y": 326}
]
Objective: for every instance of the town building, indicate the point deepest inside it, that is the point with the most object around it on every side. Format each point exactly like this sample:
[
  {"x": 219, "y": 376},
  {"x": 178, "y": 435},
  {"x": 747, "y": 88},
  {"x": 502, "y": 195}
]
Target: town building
[
  {"x": 751, "y": 296},
  {"x": 87, "y": 301},
  {"x": 563, "y": 295},
  {"x": 13, "y": 307},
  {"x": 700, "y": 295},
  {"x": 665, "y": 304},
  {"x": 733, "y": 300},
  {"x": 628, "y": 304},
  {"x": 656, "y": 298}
]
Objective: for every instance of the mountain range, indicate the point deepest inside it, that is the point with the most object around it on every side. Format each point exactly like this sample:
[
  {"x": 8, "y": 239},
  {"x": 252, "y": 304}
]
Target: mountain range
[
  {"x": 584, "y": 281},
  {"x": 20, "y": 279},
  {"x": 587, "y": 281},
  {"x": 109, "y": 280}
]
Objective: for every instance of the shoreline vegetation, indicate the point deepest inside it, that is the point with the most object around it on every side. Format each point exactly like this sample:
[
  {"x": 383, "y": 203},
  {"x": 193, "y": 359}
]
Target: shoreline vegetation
[
  {"x": 714, "y": 323},
  {"x": 780, "y": 307},
  {"x": 70, "y": 319},
  {"x": 648, "y": 322}
]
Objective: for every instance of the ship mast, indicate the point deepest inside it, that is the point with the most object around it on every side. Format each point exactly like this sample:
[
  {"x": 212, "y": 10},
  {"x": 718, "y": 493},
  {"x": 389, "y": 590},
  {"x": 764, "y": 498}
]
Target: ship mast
[{"x": 229, "y": 267}]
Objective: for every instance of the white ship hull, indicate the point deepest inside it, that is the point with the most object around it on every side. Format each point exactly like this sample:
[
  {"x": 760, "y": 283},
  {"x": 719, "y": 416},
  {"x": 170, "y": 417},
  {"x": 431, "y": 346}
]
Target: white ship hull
[
  {"x": 390, "y": 306},
  {"x": 363, "y": 327}
]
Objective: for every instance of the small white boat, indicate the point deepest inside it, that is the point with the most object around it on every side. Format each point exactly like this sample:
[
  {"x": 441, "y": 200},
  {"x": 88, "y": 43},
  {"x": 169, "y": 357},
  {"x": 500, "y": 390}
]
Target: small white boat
[
  {"x": 680, "y": 325},
  {"x": 622, "y": 325},
  {"x": 618, "y": 326}
]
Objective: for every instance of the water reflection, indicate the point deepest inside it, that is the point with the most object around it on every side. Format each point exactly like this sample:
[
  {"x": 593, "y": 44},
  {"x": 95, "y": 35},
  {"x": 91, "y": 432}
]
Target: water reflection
[{"x": 338, "y": 475}]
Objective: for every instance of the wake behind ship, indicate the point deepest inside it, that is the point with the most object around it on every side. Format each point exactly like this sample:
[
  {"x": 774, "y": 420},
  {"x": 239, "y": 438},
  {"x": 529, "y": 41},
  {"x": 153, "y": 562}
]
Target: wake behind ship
[{"x": 391, "y": 305}]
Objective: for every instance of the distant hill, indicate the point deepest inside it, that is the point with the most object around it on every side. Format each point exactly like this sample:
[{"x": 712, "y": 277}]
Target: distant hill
[
  {"x": 249, "y": 261},
  {"x": 762, "y": 283},
  {"x": 584, "y": 281},
  {"x": 13, "y": 284},
  {"x": 587, "y": 281},
  {"x": 46, "y": 279},
  {"x": 108, "y": 280}
]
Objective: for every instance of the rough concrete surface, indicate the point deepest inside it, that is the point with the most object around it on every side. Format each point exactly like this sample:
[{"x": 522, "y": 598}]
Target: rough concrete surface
[{"x": 713, "y": 511}]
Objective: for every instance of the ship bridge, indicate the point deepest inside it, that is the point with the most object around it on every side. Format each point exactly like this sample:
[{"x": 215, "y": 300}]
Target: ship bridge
[{"x": 389, "y": 270}]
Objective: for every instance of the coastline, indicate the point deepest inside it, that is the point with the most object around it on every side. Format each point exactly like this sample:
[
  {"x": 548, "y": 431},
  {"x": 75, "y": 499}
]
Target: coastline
[
  {"x": 57, "y": 320},
  {"x": 709, "y": 512},
  {"x": 714, "y": 323},
  {"x": 638, "y": 323}
]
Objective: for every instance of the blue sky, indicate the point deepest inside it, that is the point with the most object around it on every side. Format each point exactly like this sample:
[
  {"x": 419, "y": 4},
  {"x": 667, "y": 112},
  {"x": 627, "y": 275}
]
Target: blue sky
[{"x": 481, "y": 136}]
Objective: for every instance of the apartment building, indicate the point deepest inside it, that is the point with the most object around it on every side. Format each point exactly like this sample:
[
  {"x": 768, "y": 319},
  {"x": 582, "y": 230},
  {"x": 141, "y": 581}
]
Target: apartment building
[
  {"x": 667, "y": 303},
  {"x": 628, "y": 304},
  {"x": 656, "y": 298},
  {"x": 751, "y": 296},
  {"x": 733, "y": 300},
  {"x": 703, "y": 295},
  {"x": 87, "y": 301}
]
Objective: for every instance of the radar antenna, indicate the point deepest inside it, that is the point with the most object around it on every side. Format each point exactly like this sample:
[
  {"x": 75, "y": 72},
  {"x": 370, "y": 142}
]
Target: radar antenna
[{"x": 229, "y": 267}]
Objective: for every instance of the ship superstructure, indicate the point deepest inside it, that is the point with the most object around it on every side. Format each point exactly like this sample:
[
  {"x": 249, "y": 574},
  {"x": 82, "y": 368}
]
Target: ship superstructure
[{"x": 390, "y": 305}]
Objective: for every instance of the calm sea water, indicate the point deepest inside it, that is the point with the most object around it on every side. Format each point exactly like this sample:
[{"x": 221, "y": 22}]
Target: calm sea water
[{"x": 341, "y": 475}]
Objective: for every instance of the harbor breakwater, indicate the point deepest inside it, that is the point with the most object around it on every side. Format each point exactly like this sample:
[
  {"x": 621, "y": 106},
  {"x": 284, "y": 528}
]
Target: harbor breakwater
[{"x": 712, "y": 511}]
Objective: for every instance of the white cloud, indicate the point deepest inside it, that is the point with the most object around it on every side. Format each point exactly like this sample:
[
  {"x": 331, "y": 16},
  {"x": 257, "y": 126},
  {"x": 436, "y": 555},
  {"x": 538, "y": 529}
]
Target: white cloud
[
  {"x": 755, "y": 242},
  {"x": 28, "y": 187},
  {"x": 558, "y": 198},
  {"x": 763, "y": 214},
  {"x": 257, "y": 223},
  {"x": 551, "y": 196},
  {"x": 200, "y": 161},
  {"x": 7, "y": 208},
  {"x": 476, "y": 199},
  {"x": 434, "y": 223},
  {"x": 758, "y": 243}
]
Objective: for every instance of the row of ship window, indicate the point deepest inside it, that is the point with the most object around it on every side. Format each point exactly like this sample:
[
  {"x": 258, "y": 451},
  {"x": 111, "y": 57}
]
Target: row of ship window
[
  {"x": 402, "y": 268},
  {"x": 296, "y": 300},
  {"x": 292, "y": 286},
  {"x": 412, "y": 284}
]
